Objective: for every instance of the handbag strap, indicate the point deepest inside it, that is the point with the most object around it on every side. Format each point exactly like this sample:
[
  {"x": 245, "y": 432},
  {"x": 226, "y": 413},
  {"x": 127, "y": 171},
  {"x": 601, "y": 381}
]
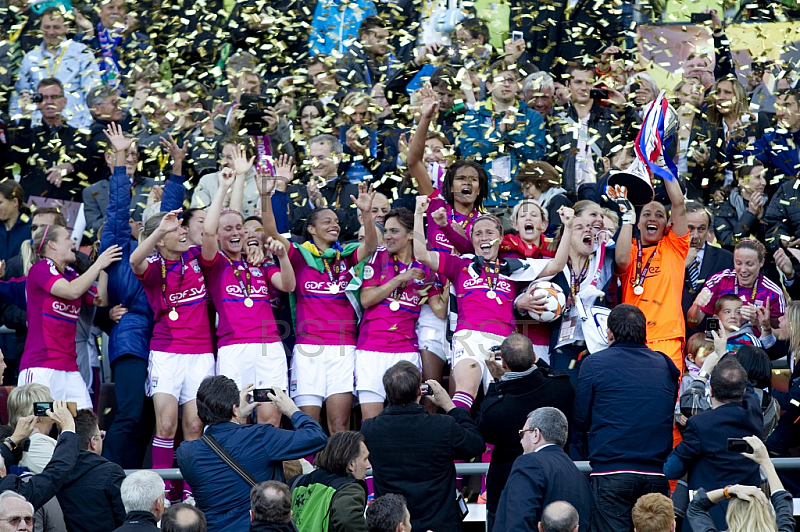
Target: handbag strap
[{"x": 228, "y": 459}]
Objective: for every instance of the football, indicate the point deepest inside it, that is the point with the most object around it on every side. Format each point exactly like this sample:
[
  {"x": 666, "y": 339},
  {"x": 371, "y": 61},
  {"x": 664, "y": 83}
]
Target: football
[{"x": 556, "y": 300}]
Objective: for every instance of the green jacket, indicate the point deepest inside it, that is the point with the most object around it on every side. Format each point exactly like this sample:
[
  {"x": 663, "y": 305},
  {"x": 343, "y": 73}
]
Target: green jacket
[{"x": 325, "y": 502}]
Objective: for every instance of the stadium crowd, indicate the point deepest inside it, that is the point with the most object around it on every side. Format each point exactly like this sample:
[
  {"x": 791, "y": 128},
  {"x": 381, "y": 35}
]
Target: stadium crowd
[{"x": 326, "y": 239}]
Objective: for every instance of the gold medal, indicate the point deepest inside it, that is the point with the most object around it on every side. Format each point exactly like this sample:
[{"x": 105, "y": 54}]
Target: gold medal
[
  {"x": 334, "y": 288},
  {"x": 638, "y": 290},
  {"x": 394, "y": 306},
  {"x": 248, "y": 302},
  {"x": 491, "y": 294},
  {"x": 173, "y": 315}
]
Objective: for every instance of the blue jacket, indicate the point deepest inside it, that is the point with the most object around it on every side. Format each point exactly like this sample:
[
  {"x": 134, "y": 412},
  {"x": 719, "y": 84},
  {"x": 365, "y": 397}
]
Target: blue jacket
[
  {"x": 221, "y": 493},
  {"x": 543, "y": 477},
  {"x": 481, "y": 140},
  {"x": 626, "y": 402},
  {"x": 131, "y": 336},
  {"x": 775, "y": 150},
  {"x": 335, "y": 25},
  {"x": 11, "y": 240}
]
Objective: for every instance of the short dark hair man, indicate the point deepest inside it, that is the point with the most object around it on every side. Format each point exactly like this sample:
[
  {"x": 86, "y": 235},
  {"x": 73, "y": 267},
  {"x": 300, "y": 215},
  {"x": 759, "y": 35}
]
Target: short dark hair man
[
  {"x": 259, "y": 448},
  {"x": 703, "y": 453},
  {"x": 520, "y": 386},
  {"x": 544, "y": 474},
  {"x": 183, "y": 518},
  {"x": 624, "y": 392},
  {"x": 271, "y": 507},
  {"x": 388, "y": 514},
  {"x": 90, "y": 496},
  {"x": 412, "y": 452},
  {"x": 559, "y": 516}
]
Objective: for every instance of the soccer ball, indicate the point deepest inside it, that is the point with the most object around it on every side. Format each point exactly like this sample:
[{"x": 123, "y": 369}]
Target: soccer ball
[{"x": 556, "y": 301}]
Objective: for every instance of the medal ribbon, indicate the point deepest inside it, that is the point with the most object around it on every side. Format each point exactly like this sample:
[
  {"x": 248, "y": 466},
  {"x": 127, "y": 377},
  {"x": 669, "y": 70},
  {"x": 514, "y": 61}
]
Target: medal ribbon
[
  {"x": 575, "y": 283},
  {"x": 238, "y": 275},
  {"x": 397, "y": 292},
  {"x": 492, "y": 274},
  {"x": 164, "y": 281},
  {"x": 641, "y": 273},
  {"x": 752, "y": 294},
  {"x": 336, "y": 270}
]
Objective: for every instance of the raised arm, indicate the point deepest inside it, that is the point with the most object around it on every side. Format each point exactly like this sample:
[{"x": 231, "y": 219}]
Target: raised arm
[
  {"x": 364, "y": 204},
  {"x": 169, "y": 223},
  {"x": 679, "y": 224},
  {"x": 622, "y": 252},
  {"x": 284, "y": 170},
  {"x": 117, "y": 230},
  {"x": 80, "y": 285},
  {"x": 285, "y": 279},
  {"x": 558, "y": 262},
  {"x": 174, "y": 190},
  {"x": 416, "y": 149},
  {"x": 421, "y": 252},
  {"x": 210, "y": 245}
]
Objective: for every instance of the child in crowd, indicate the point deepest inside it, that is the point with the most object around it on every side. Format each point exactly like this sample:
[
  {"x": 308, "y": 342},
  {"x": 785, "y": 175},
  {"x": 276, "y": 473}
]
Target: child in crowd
[
  {"x": 728, "y": 309},
  {"x": 698, "y": 347}
]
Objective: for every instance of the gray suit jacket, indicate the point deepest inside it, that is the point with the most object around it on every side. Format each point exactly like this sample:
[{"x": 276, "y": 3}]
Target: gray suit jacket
[{"x": 95, "y": 201}]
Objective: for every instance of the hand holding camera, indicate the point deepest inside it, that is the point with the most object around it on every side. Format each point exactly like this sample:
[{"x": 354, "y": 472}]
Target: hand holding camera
[
  {"x": 439, "y": 396},
  {"x": 62, "y": 415}
]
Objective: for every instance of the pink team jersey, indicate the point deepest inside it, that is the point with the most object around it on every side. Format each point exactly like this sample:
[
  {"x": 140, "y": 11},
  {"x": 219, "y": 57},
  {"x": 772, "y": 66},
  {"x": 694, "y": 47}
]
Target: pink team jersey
[
  {"x": 185, "y": 292},
  {"x": 323, "y": 317},
  {"x": 239, "y": 324},
  {"x": 393, "y": 331},
  {"x": 437, "y": 241},
  {"x": 52, "y": 321},
  {"x": 476, "y": 311},
  {"x": 724, "y": 282}
]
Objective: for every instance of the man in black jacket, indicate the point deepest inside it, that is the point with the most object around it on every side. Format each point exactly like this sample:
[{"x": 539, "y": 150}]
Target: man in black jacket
[
  {"x": 90, "y": 496},
  {"x": 43, "y": 487},
  {"x": 271, "y": 507},
  {"x": 545, "y": 474},
  {"x": 412, "y": 452},
  {"x": 520, "y": 386},
  {"x": 143, "y": 496},
  {"x": 626, "y": 402}
]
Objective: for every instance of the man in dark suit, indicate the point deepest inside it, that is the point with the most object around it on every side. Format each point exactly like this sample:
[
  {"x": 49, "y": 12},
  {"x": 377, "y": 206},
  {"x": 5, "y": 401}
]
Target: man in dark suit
[
  {"x": 544, "y": 474},
  {"x": 703, "y": 260},
  {"x": 703, "y": 453},
  {"x": 520, "y": 385}
]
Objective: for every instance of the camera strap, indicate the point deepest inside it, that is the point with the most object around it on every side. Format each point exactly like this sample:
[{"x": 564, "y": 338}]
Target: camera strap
[{"x": 228, "y": 459}]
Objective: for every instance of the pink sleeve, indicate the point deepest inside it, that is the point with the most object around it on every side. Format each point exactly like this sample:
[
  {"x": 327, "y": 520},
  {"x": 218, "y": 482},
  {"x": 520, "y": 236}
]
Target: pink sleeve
[
  {"x": 151, "y": 274},
  {"x": 450, "y": 265},
  {"x": 44, "y": 277},
  {"x": 777, "y": 305},
  {"x": 376, "y": 277}
]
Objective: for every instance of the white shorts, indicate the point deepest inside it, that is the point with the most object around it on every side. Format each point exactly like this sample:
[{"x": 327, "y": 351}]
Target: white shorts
[
  {"x": 63, "y": 385},
  {"x": 474, "y": 346},
  {"x": 319, "y": 371},
  {"x": 431, "y": 333},
  {"x": 370, "y": 367},
  {"x": 263, "y": 365},
  {"x": 177, "y": 375}
]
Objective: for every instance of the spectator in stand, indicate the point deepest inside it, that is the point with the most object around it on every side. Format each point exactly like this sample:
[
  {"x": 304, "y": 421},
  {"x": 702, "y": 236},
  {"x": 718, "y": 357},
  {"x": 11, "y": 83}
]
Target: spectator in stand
[
  {"x": 183, "y": 518},
  {"x": 38, "y": 450},
  {"x": 776, "y": 148},
  {"x": 538, "y": 89},
  {"x": 335, "y": 25},
  {"x": 692, "y": 135},
  {"x": 703, "y": 259},
  {"x": 58, "y": 57},
  {"x": 271, "y": 508},
  {"x": 520, "y": 385},
  {"x": 651, "y": 267},
  {"x": 15, "y": 222},
  {"x": 90, "y": 496},
  {"x": 703, "y": 454},
  {"x": 143, "y": 496},
  {"x": 540, "y": 182},
  {"x": 503, "y": 134},
  {"x": 43, "y": 486},
  {"x": 624, "y": 465},
  {"x": 423, "y": 445},
  {"x": 368, "y": 61},
  {"x": 17, "y": 513},
  {"x": 335, "y": 493},
  {"x": 104, "y": 104},
  {"x": 748, "y": 509},
  {"x": 204, "y": 192},
  {"x": 322, "y": 75},
  {"x": 365, "y": 152},
  {"x": 96, "y": 196},
  {"x": 744, "y": 280},
  {"x": 545, "y": 474},
  {"x": 50, "y": 168},
  {"x": 785, "y": 436},
  {"x": 653, "y": 512},
  {"x": 742, "y": 214},
  {"x": 258, "y": 448},
  {"x": 325, "y": 188},
  {"x": 559, "y": 516},
  {"x": 114, "y": 40},
  {"x": 388, "y": 514}
]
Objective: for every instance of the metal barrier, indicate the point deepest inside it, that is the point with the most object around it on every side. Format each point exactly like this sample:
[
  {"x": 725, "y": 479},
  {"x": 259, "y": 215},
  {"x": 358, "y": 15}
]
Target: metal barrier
[{"x": 480, "y": 468}]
